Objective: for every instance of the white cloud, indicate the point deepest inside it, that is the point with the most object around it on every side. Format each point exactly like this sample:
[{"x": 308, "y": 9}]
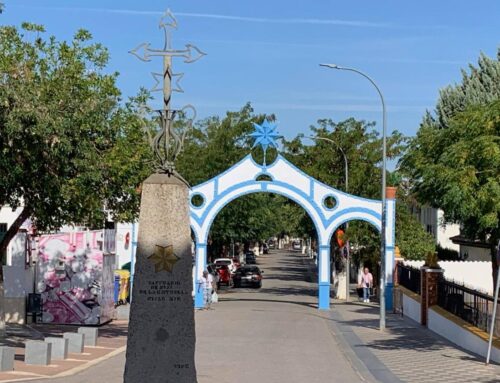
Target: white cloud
[{"x": 240, "y": 18}]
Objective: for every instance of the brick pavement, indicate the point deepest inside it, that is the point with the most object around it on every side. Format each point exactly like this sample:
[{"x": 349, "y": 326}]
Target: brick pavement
[
  {"x": 112, "y": 339},
  {"x": 406, "y": 351}
]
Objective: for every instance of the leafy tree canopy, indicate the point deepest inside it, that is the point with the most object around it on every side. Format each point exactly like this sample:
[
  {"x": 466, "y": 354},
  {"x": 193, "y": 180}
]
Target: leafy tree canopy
[
  {"x": 454, "y": 161},
  {"x": 64, "y": 135}
]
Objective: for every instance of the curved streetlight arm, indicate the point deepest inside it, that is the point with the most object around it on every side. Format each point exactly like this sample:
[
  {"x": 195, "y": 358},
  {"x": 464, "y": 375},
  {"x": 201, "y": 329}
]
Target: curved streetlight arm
[
  {"x": 384, "y": 202},
  {"x": 346, "y": 164}
]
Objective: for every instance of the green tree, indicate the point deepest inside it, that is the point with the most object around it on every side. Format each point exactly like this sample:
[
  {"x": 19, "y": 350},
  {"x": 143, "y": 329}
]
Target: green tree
[
  {"x": 454, "y": 161},
  {"x": 63, "y": 134},
  {"x": 457, "y": 169}
]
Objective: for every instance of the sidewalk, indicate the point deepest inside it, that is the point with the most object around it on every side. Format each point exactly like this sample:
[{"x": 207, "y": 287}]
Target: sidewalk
[
  {"x": 112, "y": 340},
  {"x": 405, "y": 351}
]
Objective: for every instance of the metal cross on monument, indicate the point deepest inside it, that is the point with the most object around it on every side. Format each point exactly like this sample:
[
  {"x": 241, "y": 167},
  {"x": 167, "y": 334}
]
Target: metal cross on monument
[{"x": 168, "y": 142}]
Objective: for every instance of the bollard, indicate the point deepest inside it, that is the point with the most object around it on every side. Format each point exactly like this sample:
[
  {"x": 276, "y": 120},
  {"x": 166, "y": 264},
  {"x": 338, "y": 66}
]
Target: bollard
[
  {"x": 75, "y": 342},
  {"x": 59, "y": 347},
  {"x": 37, "y": 352},
  {"x": 7, "y": 355},
  {"x": 91, "y": 334}
]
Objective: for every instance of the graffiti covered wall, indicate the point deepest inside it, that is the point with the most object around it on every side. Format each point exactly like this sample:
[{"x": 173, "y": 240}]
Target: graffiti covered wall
[{"x": 75, "y": 279}]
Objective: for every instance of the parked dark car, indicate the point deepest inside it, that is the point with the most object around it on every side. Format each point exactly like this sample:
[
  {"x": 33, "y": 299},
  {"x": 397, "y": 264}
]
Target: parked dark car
[
  {"x": 250, "y": 258},
  {"x": 248, "y": 275}
]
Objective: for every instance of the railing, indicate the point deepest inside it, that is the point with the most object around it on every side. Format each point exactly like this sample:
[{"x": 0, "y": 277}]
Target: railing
[
  {"x": 472, "y": 306},
  {"x": 409, "y": 277}
]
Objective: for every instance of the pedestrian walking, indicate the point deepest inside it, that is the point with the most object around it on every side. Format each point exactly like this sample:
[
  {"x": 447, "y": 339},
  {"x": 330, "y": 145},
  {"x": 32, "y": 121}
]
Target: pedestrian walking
[
  {"x": 366, "y": 282},
  {"x": 206, "y": 285}
]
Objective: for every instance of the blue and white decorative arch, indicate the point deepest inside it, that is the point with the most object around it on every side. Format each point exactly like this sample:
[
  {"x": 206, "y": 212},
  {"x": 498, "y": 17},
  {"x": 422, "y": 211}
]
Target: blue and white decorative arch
[{"x": 291, "y": 182}]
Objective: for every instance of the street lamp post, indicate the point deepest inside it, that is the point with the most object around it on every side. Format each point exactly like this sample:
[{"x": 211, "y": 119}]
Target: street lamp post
[
  {"x": 346, "y": 180},
  {"x": 384, "y": 160}
]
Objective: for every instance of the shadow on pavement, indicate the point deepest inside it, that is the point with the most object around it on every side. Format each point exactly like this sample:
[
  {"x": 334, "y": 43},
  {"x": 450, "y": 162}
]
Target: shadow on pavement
[{"x": 305, "y": 304}]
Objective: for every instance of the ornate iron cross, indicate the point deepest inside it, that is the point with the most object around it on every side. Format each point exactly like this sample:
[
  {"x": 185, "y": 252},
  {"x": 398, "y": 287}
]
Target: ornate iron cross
[{"x": 168, "y": 142}]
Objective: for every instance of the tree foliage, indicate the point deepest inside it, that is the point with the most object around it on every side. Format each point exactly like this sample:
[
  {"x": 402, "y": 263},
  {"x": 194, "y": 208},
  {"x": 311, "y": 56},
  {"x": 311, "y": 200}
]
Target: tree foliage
[
  {"x": 457, "y": 169},
  {"x": 454, "y": 161},
  {"x": 63, "y": 131},
  {"x": 362, "y": 146}
]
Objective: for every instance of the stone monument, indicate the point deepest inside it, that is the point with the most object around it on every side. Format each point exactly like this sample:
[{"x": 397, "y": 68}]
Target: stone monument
[{"x": 161, "y": 334}]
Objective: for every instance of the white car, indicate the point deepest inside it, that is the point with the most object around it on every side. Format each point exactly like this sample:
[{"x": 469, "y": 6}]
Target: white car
[
  {"x": 226, "y": 261},
  {"x": 296, "y": 246}
]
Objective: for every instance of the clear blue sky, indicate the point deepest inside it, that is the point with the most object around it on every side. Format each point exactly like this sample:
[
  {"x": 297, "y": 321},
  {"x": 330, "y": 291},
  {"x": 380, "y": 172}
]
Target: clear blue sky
[{"x": 267, "y": 52}]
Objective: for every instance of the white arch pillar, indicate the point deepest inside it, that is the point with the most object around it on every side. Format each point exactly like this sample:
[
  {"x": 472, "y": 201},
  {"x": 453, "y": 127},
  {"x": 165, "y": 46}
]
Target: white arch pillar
[
  {"x": 200, "y": 265},
  {"x": 390, "y": 242},
  {"x": 324, "y": 276}
]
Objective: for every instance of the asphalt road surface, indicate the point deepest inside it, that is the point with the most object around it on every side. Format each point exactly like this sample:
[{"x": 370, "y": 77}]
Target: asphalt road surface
[{"x": 271, "y": 335}]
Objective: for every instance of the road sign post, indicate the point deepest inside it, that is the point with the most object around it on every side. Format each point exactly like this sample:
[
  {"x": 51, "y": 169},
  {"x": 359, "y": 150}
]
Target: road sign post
[{"x": 495, "y": 306}]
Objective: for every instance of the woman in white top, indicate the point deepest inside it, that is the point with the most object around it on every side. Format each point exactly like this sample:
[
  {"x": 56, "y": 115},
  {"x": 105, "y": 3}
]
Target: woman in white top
[{"x": 206, "y": 283}]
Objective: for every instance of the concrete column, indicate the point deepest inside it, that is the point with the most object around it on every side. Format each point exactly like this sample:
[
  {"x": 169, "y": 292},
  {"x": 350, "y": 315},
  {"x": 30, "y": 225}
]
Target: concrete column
[
  {"x": 390, "y": 239},
  {"x": 161, "y": 333},
  {"x": 324, "y": 277}
]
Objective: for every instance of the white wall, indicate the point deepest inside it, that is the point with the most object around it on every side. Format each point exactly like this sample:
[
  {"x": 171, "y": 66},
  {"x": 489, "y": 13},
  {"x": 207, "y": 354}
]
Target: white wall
[
  {"x": 124, "y": 252},
  {"x": 476, "y": 275},
  {"x": 411, "y": 308},
  {"x": 444, "y": 232},
  {"x": 18, "y": 281},
  {"x": 432, "y": 221},
  {"x": 456, "y": 334},
  {"x": 8, "y": 216}
]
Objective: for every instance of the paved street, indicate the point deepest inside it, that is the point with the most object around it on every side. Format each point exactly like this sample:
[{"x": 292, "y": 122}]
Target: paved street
[{"x": 276, "y": 334}]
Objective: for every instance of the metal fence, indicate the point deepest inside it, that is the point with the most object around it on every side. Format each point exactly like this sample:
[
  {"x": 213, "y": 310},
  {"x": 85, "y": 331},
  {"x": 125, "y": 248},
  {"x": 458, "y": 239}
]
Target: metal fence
[
  {"x": 409, "y": 277},
  {"x": 472, "y": 306}
]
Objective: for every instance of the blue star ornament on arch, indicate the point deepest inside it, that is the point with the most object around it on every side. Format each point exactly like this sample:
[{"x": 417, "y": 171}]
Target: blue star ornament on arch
[{"x": 265, "y": 135}]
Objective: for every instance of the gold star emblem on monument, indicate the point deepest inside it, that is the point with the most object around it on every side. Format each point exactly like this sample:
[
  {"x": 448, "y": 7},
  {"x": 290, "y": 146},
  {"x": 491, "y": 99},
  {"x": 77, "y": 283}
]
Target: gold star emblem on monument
[{"x": 164, "y": 258}]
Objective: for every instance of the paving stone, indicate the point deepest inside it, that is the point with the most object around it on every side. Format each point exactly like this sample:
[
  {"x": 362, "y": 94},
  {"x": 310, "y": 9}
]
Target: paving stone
[{"x": 413, "y": 353}]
